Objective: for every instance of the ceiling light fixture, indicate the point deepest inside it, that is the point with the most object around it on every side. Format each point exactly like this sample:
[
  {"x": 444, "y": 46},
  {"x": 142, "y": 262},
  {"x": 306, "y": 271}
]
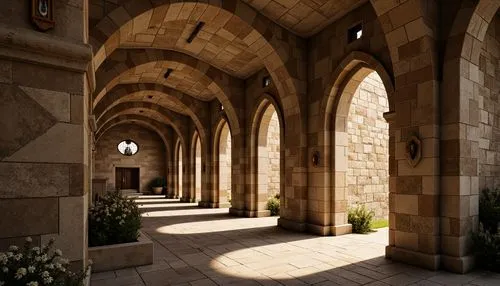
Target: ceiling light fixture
[
  {"x": 195, "y": 31},
  {"x": 167, "y": 73}
]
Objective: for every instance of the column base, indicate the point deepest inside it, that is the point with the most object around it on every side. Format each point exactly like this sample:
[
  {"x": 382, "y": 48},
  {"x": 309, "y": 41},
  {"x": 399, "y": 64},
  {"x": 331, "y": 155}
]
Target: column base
[
  {"x": 341, "y": 229},
  {"x": 236, "y": 212},
  {"x": 424, "y": 260},
  {"x": 292, "y": 225},
  {"x": 459, "y": 265},
  {"x": 203, "y": 204},
  {"x": 322, "y": 230},
  {"x": 184, "y": 200},
  {"x": 264, "y": 213}
]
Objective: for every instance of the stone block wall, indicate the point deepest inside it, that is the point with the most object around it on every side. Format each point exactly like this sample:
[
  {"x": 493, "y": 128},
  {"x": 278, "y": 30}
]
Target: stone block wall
[
  {"x": 150, "y": 158},
  {"x": 44, "y": 141},
  {"x": 489, "y": 109},
  {"x": 225, "y": 168},
  {"x": 368, "y": 139},
  {"x": 273, "y": 153}
]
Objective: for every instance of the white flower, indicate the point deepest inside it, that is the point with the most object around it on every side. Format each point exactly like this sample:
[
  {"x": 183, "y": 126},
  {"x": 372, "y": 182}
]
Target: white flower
[
  {"x": 20, "y": 273},
  {"x": 13, "y": 248},
  {"x": 64, "y": 261},
  {"x": 38, "y": 258},
  {"x": 45, "y": 274},
  {"x": 2, "y": 283},
  {"x": 10, "y": 254},
  {"x": 122, "y": 222},
  {"x": 31, "y": 269},
  {"x": 36, "y": 249},
  {"x": 48, "y": 280},
  {"x": 3, "y": 258},
  {"x": 44, "y": 258},
  {"x": 58, "y": 265},
  {"x": 28, "y": 239},
  {"x": 91, "y": 262},
  {"x": 49, "y": 266},
  {"x": 58, "y": 252},
  {"x": 5, "y": 269},
  {"x": 32, "y": 283},
  {"x": 98, "y": 219},
  {"x": 18, "y": 256}
]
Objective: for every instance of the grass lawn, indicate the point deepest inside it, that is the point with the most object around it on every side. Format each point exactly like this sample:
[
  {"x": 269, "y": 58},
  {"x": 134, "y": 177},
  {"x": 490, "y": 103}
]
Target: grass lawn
[{"x": 379, "y": 223}]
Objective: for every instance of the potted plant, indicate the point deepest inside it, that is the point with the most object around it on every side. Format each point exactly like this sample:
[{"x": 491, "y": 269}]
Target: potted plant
[
  {"x": 114, "y": 237},
  {"x": 157, "y": 185}
]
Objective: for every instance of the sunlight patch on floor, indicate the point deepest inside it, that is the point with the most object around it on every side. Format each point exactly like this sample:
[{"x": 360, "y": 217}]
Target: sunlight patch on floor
[
  {"x": 184, "y": 212},
  {"x": 217, "y": 225}
]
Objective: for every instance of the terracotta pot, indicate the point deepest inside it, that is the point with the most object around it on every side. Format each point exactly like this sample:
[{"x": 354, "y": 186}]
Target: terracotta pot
[{"x": 157, "y": 190}]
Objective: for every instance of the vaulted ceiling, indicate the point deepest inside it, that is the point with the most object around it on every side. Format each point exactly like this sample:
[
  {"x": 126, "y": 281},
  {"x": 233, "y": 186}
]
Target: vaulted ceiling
[
  {"x": 305, "y": 17},
  {"x": 136, "y": 43}
]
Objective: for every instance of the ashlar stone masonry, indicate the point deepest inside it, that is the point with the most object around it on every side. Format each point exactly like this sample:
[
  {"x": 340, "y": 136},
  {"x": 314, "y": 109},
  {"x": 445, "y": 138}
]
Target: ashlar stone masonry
[{"x": 368, "y": 157}]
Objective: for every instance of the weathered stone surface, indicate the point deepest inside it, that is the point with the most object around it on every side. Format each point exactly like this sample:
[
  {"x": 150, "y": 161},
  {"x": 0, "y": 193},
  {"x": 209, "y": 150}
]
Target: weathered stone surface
[
  {"x": 23, "y": 217},
  {"x": 62, "y": 143},
  {"x": 21, "y": 119},
  {"x": 57, "y": 103},
  {"x": 33, "y": 180}
]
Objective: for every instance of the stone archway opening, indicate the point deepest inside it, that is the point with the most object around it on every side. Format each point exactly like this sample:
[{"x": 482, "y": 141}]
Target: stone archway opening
[
  {"x": 197, "y": 170},
  {"x": 368, "y": 148},
  {"x": 268, "y": 159},
  {"x": 361, "y": 153},
  {"x": 224, "y": 166},
  {"x": 180, "y": 170}
]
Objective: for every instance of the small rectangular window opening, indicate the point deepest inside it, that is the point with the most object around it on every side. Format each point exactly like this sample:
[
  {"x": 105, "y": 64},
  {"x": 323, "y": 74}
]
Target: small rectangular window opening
[{"x": 355, "y": 33}]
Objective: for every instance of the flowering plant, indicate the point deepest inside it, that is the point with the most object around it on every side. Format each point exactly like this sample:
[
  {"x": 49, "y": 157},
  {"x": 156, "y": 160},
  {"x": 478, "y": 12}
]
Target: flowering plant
[
  {"x": 36, "y": 266},
  {"x": 113, "y": 219}
]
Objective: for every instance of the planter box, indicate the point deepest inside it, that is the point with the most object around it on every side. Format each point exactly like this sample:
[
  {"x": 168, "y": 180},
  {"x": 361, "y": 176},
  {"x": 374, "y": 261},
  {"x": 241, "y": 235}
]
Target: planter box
[{"x": 124, "y": 255}]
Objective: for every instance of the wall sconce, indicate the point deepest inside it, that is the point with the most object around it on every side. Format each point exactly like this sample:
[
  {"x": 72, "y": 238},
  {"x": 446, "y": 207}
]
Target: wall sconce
[
  {"x": 315, "y": 158},
  {"x": 266, "y": 81}
]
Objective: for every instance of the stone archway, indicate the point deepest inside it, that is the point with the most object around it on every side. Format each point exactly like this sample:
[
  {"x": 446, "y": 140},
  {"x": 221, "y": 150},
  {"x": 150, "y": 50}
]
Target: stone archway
[
  {"x": 222, "y": 175},
  {"x": 267, "y": 125},
  {"x": 196, "y": 167}
]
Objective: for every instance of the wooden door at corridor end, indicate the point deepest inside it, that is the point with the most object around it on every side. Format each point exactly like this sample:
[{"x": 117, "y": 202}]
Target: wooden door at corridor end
[{"x": 127, "y": 178}]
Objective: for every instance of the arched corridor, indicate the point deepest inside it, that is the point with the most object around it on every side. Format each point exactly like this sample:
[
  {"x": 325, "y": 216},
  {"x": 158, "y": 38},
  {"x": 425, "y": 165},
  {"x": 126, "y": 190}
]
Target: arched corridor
[{"x": 286, "y": 114}]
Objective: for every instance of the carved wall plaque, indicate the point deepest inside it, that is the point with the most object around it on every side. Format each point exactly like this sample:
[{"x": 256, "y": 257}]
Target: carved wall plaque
[
  {"x": 413, "y": 151},
  {"x": 42, "y": 14}
]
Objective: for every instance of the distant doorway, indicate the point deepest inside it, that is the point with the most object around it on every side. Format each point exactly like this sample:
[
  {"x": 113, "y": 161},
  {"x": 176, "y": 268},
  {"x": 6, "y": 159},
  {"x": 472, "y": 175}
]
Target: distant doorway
[{"x": 127, "y": 178}]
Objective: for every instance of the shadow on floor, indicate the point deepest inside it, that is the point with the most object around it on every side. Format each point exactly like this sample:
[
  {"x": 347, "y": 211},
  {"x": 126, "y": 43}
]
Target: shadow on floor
[{"x": 209, "y": 247}]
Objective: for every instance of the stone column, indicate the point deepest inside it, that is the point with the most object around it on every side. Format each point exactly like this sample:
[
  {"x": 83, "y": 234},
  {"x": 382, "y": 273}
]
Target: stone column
[{"x": 45, "y": 145}]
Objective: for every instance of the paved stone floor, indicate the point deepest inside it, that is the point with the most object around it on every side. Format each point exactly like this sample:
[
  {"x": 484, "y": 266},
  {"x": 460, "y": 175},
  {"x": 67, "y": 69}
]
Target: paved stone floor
[{"x": 208, "y": 247}]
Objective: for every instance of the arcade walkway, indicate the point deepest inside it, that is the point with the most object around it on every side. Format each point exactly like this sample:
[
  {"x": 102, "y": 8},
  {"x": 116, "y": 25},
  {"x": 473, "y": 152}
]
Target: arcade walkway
[{"x": 196, "y": 246}]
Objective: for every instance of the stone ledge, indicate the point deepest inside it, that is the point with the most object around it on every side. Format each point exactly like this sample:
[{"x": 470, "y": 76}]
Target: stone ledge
[
  {"x": 424, "y": 260},
  {"x": 124, "y": 255},
  {"x": 39, "y": 48}
]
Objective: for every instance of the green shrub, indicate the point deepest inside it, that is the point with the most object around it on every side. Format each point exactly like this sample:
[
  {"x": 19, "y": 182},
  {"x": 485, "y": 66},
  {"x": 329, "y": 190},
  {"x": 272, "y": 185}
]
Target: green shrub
[
  {"x": 487, "y": 248},
  {"x": 489, "y": 210},
  {"x": 273, "y": 205},
  {"x": 486, "y": 242},
  {"x": 36, "y": 266},
  {"x": 361, "y": 219},
  {"x": 113, "y": 219}
]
